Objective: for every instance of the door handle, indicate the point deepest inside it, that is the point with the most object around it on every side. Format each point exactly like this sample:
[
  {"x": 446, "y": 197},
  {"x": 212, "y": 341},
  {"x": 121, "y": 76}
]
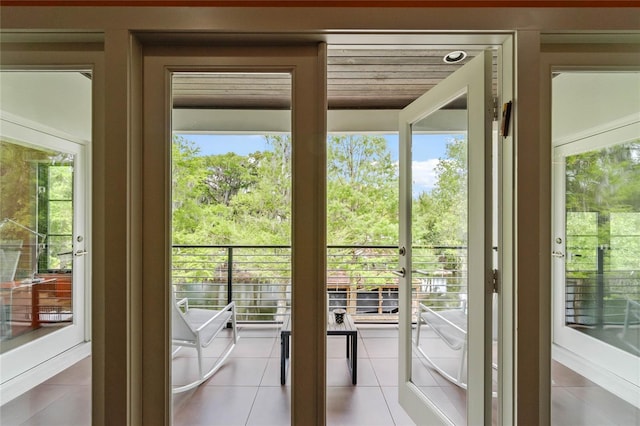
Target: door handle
[
  {"x": 80, "y": 253},
  {"x": 401, "y": 273},
  {"x": 557, "y": 254}
]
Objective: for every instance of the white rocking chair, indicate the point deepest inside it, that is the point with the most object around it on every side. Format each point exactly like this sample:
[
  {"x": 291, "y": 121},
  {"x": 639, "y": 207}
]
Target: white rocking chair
[
  {"x": 631, "y": 318},
  {"x": 451, "y": 326},
  {"x": 197, "y": 328}
]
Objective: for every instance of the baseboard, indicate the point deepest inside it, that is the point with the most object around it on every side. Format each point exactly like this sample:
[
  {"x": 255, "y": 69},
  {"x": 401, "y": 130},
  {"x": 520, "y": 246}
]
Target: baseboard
[
  {"x": 40, "y": 373},
  {"x": 602, "y": 377}
]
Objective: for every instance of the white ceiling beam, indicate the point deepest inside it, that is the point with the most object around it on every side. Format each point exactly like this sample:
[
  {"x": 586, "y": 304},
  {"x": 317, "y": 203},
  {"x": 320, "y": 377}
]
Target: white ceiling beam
[{"x": 219, "y": 121}]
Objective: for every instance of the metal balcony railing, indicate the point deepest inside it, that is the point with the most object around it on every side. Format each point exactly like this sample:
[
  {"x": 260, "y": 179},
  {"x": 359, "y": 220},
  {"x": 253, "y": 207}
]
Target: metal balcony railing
[
  {"x": 597, "y": 289},
  {"x": 359, "y": 279}
]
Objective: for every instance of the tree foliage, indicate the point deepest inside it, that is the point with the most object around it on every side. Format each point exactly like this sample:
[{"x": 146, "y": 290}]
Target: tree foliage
[
  {"x": 602, "y": 205},
  {"x": 604, "y": 180},
  {"x": 36, "y": 193},
  {"x": 362, "y": 191},
  {"x": 440, "y": 216},
  {"x": 233, "y": 199}
]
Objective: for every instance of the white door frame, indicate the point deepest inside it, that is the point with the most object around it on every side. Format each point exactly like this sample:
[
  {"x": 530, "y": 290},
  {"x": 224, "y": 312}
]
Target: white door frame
[{"x": 307, "y": 65}]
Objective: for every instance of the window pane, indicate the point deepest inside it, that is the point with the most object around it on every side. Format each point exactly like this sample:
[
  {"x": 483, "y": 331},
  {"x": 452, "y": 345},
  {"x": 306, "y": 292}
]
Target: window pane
[
  {"x": 60, "y": 252},
  {"x": 60, "y": 217},
  {"x": 60, "y": 182},
  {"x": 603, "y": 238}
]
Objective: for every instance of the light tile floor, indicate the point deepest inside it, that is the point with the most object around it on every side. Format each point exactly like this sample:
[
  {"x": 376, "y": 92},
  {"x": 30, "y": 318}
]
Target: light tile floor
[
  {"x": 63, "y": 400},
  {"x": 252, "y": 374},
  {"x": 247, "y": 391}
]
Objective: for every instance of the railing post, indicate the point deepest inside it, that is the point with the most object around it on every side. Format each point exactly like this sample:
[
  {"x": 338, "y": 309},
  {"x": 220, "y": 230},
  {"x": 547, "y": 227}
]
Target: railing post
[
  {"x": 229, "y": 274},
  {"x": 600, "y": 288},
  {"x": 604, "y": 242}
]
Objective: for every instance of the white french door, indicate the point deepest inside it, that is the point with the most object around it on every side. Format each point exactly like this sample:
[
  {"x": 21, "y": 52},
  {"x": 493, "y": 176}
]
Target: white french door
[
  {"x": 44, "y": 307},
  {"x": 445, "y": 336},
  {"x": 596, "y": 242}
]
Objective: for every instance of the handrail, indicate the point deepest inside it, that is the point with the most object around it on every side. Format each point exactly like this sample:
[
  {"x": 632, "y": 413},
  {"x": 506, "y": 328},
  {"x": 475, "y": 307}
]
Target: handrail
[
  {"x": 346, "y": 246},
  {"x": 360, "y": 278}
]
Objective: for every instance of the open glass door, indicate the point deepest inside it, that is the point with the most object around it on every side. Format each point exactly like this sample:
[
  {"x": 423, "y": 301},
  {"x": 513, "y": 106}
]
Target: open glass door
[{"x": 445, "y": 334}]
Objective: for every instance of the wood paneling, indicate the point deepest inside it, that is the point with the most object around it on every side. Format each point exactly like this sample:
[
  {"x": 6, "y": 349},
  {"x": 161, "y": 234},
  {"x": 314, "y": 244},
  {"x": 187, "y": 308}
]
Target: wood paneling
[
  {"x": 375, "y": 78},
  {"x": 329, "y": 3}
]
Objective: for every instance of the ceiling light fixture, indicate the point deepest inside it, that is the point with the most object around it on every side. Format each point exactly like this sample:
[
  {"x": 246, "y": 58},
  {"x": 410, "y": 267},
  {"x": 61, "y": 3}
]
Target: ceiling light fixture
[{"x": 455, "y": 56}]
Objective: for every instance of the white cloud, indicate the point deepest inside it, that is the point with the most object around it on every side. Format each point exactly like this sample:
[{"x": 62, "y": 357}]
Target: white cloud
[{"x": 424, "y": 174}]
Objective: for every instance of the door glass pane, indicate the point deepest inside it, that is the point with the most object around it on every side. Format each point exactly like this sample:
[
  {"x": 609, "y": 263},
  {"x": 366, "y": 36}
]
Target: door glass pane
[
  {"x": 602, "y": 290},
  {"x": 439, "y": 257},
  {"x": 231, "y": 243},
  {"x": 596, "y": 361},
  {"x": 35, "y": 242}
]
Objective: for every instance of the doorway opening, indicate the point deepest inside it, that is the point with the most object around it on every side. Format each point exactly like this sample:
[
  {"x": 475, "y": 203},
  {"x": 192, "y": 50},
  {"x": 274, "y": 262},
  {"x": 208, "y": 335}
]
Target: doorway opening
[
  {"x": 367, "y": 86},
  {"x": 596, "y": 244},
  {"x": 45, "y": 136}
]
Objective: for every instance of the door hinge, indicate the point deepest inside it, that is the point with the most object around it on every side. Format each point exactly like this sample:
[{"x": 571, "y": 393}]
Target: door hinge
[
  {"x": 495, "y": 108},
  {"x": 494, "y": 280}
]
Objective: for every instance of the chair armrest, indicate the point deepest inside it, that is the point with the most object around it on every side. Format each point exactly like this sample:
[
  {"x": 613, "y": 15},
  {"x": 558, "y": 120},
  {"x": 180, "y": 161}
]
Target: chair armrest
[
  {"x": 231, "y": 306},
  {"x": 421, "y": 307},
  {"x": 441, "y": 318},
  {"x": 632, "y": 310},
  {"x": 183, "y": 302}
]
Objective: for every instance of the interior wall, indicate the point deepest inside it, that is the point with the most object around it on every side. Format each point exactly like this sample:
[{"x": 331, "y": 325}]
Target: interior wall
[
  {"x": 57, "y": 100},
  {"x": 586, "y": 103}
]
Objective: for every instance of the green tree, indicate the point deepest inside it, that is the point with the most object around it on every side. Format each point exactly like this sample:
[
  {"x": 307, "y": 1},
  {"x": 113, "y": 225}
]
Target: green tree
[
  {"x": 440, "y": 219},
  {"x": 18, "y": 182},
  {"x": 362, "y": 191},
  {"x": 40, "y": 203},
  {"x": 263, "y": 212},
  {"x": 603, "y": 205},
  {"x": 189, "y": 193},
  {"x": 362, "y": 205},
  {"x": 604, "y": 179},
  {"x": 440, "y": 216},
  {"x": 227, "y": 175}
]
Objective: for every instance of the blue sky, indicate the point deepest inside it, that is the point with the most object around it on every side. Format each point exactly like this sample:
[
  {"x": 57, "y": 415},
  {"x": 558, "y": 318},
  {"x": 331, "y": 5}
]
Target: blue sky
[
  {"x": 427, "y": 149},
  {"x": 424, "y": 146},
  {"x": 221, "y": 144}
]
